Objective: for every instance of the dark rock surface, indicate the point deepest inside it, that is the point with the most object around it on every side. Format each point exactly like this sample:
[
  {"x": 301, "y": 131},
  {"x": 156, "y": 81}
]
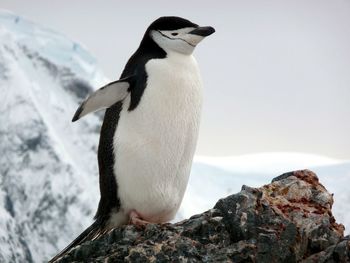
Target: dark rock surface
[{"x": 289, "y": 220}]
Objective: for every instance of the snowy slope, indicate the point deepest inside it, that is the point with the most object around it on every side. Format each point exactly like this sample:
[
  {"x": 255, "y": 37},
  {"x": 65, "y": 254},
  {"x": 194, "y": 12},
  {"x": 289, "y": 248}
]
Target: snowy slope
[{"x": 48, "y": 167}]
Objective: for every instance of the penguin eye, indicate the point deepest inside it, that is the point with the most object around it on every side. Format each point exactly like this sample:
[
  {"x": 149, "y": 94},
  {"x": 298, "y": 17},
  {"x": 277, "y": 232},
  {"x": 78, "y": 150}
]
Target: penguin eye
[{"x": 174, "y": 34}]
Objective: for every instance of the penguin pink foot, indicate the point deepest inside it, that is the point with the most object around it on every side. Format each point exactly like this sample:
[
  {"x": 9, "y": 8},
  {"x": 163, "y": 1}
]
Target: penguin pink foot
[{"x": 136, "y": 219}]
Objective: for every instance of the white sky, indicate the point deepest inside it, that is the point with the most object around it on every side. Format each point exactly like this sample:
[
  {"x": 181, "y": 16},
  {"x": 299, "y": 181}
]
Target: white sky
[{"x": 276, "y": 73}]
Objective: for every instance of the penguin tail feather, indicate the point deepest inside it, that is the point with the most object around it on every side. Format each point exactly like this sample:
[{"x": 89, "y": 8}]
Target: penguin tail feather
[{"x": 92, "y": 232}]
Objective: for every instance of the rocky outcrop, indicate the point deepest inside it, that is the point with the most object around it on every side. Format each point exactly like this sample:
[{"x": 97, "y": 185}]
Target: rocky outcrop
[{"x": 288, "y": 220}]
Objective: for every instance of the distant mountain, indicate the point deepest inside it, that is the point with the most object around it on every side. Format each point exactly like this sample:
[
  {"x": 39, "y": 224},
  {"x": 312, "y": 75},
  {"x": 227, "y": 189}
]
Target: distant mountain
[{"x": 48, "y": 166}]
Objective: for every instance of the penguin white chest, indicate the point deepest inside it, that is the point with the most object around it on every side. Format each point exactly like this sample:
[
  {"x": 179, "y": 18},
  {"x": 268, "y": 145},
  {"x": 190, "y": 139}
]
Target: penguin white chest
[{"x": 154, "y": 143}]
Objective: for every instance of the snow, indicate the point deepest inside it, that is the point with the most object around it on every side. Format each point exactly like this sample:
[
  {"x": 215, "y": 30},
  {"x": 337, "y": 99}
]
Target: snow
[
  {"x": 50, "y": 44},
  {"x": 48, "y": 187},
  {"x": 48, "y": 167},
  {"x": 277, "y": 162}
]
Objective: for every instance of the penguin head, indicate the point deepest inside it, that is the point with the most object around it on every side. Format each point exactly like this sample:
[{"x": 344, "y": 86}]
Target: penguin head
[{"x": 176, "y": 34}]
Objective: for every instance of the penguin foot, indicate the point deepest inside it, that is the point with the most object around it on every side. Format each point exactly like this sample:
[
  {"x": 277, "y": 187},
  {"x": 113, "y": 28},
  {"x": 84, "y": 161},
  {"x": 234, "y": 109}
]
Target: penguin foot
[{"x": 136, "y": 219}]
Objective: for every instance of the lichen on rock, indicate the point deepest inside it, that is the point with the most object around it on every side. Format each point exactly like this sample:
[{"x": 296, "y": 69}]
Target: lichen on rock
[{"x": 288, "y": 220}]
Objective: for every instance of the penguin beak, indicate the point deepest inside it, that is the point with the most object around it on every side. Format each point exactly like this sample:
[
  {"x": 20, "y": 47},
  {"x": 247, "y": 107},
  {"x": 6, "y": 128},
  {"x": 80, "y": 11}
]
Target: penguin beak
[{"x": 202, "y": 31}]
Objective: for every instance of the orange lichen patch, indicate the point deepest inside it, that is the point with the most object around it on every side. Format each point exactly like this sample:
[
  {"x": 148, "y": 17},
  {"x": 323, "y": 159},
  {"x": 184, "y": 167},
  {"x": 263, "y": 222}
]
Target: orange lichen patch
[
  {"x": 309, "y": 177},
  {"x": 302, "y": 199},
  {"x": 284, "y": 191},
  {"x": 287, "y": 209}
]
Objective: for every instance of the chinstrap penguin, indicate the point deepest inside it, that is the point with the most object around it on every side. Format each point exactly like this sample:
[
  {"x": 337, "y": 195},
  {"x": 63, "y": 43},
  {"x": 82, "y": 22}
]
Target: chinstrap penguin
[{"x": 150, "y": 129}]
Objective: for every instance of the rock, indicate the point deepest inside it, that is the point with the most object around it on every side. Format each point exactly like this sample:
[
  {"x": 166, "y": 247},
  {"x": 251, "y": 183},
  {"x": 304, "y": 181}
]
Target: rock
[
  {"x": 288, "y": 220},
  {"x": 336, "y": 253}
]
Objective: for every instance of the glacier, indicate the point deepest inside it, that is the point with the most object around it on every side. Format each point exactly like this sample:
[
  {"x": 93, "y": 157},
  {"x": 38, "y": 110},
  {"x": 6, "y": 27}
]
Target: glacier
[{"x": 48, "y": 167}]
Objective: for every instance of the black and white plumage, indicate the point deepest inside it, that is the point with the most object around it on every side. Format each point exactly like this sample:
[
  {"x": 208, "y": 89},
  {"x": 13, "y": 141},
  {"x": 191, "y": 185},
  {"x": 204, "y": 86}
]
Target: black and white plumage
[{"x": 150, "y": 129}]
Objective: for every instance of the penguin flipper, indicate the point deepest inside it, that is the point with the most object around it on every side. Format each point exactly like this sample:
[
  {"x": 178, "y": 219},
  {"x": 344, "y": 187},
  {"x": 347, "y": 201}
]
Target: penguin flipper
[{"x": 104, "y": 97}]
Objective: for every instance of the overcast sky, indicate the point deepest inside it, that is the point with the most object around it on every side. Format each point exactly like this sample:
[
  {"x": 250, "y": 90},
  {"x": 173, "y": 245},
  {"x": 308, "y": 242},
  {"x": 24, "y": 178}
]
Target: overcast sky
[{"x": 276, "y": 73}]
